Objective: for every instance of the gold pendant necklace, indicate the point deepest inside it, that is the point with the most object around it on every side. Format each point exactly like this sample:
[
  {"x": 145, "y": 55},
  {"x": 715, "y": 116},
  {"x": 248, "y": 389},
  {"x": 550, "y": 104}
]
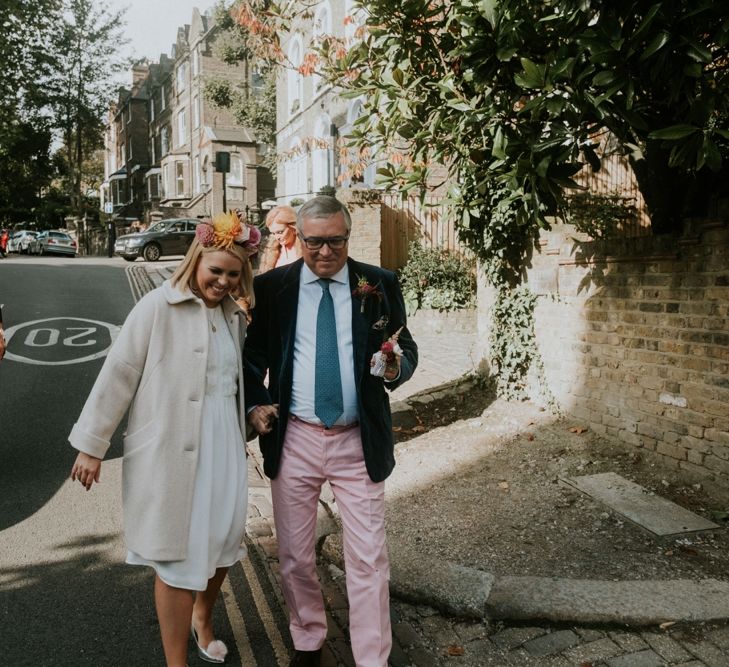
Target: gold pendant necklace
[{"x": 212, "y": 319}]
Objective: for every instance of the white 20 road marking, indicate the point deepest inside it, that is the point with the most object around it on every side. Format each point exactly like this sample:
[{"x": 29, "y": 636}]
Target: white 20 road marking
[{"x": 41, "y": 334}]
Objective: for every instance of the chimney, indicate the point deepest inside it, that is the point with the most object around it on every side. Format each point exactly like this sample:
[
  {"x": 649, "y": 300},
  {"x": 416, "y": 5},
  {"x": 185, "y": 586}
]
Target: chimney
[{"x": 140, "y": 71}]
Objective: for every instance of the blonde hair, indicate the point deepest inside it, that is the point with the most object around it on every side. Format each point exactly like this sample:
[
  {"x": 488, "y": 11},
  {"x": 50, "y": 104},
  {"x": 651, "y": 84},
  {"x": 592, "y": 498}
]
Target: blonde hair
[
  {"x": 184, "y": 274},
  {"x": 283, "y": 215}
]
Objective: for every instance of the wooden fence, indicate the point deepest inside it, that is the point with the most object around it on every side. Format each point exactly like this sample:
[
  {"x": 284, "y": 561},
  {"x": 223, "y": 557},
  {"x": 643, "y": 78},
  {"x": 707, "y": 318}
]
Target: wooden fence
[
  {"x": 616, "y": 178},
  {"x": 412, "y": 219},
  {"x": 428, "y": 221}
]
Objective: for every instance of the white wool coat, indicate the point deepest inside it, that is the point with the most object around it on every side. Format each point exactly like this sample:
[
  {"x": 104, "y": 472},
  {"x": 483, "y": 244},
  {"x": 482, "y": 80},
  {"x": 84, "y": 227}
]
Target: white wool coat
[{"x": 156, "y": 370}]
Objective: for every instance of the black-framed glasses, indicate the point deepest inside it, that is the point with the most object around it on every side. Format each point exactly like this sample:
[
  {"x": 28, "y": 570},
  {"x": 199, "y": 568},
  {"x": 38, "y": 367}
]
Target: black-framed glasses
[{"x": 317, "y": 242}]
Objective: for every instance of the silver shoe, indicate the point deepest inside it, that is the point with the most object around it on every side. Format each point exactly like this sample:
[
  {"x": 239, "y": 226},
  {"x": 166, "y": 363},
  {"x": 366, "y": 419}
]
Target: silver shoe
[{"x": 218, "y": 653}]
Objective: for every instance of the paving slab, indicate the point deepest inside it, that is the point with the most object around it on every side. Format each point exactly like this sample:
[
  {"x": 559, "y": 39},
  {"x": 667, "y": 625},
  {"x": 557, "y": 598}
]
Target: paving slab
[
  {"x": 645, "y": 658},
  {"x": 554, "y": 642},
  {"x": 654, "y": 513}
]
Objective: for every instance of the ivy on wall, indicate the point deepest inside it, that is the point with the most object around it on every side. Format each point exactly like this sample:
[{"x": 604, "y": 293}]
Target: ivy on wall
[{"x": 515, "y": 355}]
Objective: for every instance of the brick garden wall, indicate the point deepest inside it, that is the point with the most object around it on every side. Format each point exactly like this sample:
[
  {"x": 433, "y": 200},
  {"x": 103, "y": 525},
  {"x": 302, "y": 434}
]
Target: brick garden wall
[
  {"x": 635, "y": 340},
  {"x": 365, "y": 242}
]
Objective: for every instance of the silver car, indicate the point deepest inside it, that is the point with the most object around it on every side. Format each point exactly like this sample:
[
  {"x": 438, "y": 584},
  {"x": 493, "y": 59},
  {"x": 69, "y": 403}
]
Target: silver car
[
  {"x": 52, "y": 241},
  {"x": 20, "y": 241}
]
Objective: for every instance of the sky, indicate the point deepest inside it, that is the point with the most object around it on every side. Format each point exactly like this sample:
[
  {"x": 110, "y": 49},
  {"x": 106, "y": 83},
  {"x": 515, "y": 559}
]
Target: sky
[{"x": 152, "y": 24}]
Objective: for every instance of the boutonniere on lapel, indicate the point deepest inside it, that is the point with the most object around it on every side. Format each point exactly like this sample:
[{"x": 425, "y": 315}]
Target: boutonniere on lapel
[
  {"x": 387, "y": 355},
  {"x": 364, "y": 290}
]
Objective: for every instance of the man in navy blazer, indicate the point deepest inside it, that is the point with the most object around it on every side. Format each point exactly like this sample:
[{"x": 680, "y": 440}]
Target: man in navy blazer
[{"x": 354, "y": 451}]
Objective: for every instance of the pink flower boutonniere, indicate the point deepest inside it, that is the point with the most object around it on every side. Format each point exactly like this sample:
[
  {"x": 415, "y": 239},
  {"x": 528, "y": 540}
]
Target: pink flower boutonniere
[{"x": 364, "y": 289}]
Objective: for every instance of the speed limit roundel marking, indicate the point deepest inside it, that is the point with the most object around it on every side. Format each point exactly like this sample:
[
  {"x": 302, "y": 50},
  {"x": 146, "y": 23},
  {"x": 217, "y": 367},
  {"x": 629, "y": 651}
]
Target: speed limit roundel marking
[{"x": 59, "y": 341}]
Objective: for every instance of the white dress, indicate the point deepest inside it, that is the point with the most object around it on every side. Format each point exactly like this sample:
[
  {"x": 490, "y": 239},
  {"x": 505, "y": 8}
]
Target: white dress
[{"x": 219, "y": 504}]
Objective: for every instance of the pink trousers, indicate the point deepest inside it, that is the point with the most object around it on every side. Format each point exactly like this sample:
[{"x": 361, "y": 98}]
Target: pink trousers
[{"x": 312, "y": 455}]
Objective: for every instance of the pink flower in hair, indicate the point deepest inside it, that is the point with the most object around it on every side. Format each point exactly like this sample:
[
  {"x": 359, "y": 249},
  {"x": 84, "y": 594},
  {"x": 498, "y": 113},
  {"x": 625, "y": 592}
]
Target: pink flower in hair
[
  {"x": 205, "y": 234},
  {"x": 254, "y": 237}
]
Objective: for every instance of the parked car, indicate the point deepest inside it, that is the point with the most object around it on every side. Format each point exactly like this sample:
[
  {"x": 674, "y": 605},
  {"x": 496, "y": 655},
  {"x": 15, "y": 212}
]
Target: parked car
[
  {"x": 166, "y": 237},
  {"x": 20, "y": 240},
  {"x": 52, "y": 241}
]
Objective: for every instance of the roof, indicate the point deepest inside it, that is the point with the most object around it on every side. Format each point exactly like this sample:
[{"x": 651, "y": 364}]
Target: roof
[{"x": 239, "y": 135}]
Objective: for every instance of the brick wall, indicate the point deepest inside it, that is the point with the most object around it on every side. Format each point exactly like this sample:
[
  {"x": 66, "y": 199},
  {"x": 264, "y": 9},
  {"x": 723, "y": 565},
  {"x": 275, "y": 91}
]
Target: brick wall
[
  {"x": 365, "y": 239},
  {"x": 635, "y": 340}
]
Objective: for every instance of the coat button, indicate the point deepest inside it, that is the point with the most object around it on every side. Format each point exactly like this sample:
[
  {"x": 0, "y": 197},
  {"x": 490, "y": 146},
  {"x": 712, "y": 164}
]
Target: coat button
[{"x": 189, "y": 447}]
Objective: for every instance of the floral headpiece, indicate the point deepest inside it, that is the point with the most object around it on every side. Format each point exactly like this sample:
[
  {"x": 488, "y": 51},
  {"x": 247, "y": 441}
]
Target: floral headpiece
[{"x": 226, "y": 229}]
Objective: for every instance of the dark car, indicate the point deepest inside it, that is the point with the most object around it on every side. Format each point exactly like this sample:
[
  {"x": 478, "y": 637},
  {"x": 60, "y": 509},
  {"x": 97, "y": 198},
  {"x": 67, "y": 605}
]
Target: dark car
[{"x": 166, "y": 237}]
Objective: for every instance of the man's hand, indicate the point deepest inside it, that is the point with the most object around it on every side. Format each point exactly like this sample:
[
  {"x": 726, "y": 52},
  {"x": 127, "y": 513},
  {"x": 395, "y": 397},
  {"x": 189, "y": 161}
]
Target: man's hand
[
  {"x": 392, "y": 370},
  {"x": 262, "y": 417},
  {"x": 2, "y": 343}
]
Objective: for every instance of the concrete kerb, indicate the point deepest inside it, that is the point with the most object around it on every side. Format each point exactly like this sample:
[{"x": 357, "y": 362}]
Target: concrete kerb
[{"x": 473, "y": 594}]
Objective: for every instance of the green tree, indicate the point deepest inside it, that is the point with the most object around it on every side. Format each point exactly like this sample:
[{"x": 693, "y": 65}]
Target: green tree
[
  {"x": 26, "y": 30},
  {"x": 87, "y": 48},
  {"x": 253, "y": 101},
  {"x": 26, "y": 169},
  {"x": 510, "y": 95}
]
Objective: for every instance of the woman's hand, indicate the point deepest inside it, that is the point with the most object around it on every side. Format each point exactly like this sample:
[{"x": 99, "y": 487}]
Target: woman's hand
[{"x": 86, "y": 469}]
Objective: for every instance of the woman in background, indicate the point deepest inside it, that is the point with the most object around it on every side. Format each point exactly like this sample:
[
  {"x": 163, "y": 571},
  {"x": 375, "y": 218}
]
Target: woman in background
[{"x": 283, "y": 246}]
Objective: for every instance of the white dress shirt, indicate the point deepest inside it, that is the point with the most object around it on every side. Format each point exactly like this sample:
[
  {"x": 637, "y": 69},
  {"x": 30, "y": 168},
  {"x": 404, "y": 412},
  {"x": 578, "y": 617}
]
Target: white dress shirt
[{"x": 302, "y": 391}]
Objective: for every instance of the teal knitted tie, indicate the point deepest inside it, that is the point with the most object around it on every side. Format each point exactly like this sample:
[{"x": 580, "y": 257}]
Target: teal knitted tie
[{"x": 328, "y": 401}]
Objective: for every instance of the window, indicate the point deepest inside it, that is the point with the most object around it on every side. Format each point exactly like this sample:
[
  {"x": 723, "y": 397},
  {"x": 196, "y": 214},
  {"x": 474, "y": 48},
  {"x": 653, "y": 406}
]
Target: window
[
  {"x": 181, "y": 77},
  {"x": 196, "y": 62},
  {"x": 196, "y": 111},
  {"x": 163, "y": 100},
  {"x": 165, "y": 180},
  {"x": 235, "y": 177},
  {"x": 322, "y": 27},
  {"x": 165, "y": 141},
  {"x": 320, "y": 161},
  {"x": 151, "y": 108},
  {"x": 196, "y": 175},
  {"x": 179, "y": 178},
  {"x": 153, "y": 146},
  {"x": 204, "y": 176},
  {"x": 152, "y": 186},
  {"x": 257, "y": 81},
  {"x": 130, "y": 148},
  {"x": 295, "y": 170},
  {"x": 295, "y": 80},
  {"x": 181, "y": 127},
  {"x": 123, "y": 154}
]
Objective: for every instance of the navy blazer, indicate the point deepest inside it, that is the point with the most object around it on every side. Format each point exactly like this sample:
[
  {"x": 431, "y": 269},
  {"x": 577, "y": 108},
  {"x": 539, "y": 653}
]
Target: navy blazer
[{"x": 269, "y": 348}]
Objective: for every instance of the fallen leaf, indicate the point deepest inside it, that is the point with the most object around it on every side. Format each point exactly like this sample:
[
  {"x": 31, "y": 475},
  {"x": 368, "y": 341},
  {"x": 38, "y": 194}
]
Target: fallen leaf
[
  {"x": 666, "y": 625},
  {"x": 669, "y": 553},
  {"x": 577, "y": 429},
  {"x": 586, "y": 664},
  {"x": 397, "y": 429},
  {"x": 503, "y": 485},
  {"x": 530, "y": 436},
  {"x": 456, "y": 650},
  {"x": 688, "y": 551},
  {"x": 418, "y": 428}
]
